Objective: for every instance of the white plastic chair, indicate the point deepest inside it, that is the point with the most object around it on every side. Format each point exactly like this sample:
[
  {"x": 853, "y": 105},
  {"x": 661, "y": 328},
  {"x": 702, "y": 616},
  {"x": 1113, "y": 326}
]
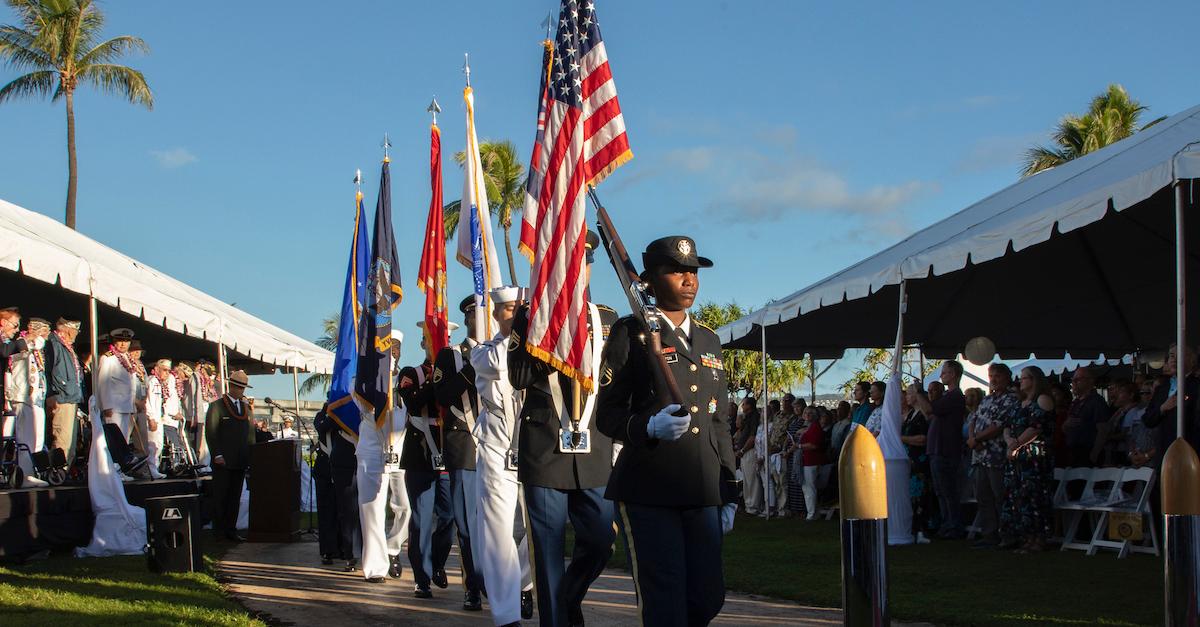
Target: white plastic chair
[
  {"x": 1102, "y": 483},
  {"x": 1132, "y": 496}
]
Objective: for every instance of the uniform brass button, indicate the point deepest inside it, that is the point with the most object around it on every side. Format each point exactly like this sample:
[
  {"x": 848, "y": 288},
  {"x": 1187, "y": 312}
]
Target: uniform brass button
[
  {"x": 695, "y": 430},
  {"x": 694, "y": 388},
  {"x": 695, "y": 409},
  {"x": 692, "y": 367}
]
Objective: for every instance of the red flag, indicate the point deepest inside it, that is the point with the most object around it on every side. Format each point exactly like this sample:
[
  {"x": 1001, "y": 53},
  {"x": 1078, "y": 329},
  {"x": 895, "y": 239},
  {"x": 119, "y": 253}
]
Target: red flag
[
  {"x": 583, "y": 141},
  {"x": 432, "y": 275}
]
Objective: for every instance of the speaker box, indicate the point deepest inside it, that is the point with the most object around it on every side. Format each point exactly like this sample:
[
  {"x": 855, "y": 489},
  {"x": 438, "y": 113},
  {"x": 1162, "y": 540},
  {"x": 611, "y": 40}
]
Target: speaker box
[
  {"x": 274, "y": 491},
  {"x": 173, "y": 546}
]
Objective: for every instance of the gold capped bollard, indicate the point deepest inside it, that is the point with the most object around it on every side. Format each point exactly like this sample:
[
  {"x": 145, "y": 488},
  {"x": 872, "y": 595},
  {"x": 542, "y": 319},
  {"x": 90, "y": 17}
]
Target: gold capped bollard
[
  {"x": 862, "y": 487},
  {"x": 1181, "y": 541}
]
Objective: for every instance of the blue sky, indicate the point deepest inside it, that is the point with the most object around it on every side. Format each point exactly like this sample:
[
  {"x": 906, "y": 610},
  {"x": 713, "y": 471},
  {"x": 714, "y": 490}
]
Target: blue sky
[{"x": 789, "y": 138}]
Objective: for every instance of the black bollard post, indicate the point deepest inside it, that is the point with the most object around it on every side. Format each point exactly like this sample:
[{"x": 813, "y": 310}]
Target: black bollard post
[
  {"x": 862, "y": 484},
  {"x": 1181, "y": 540}
]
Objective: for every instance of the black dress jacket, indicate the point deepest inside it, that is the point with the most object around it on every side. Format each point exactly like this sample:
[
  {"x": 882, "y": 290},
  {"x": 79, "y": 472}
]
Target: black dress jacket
[
  {"x": 450, "y": 383},
  {"x": 541, "y": 463},
  {"x": 697, "y": 469}
]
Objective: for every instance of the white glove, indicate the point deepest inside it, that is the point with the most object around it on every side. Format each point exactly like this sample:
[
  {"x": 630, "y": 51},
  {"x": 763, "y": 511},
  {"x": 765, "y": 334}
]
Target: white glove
[
  {"x": 666, "y": 426},
  {"x": 727, "y": 512}
]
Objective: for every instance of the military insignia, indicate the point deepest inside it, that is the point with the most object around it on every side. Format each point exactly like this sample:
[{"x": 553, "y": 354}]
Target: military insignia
[
  {"x": 671, "y": 357},
  {"x": 685, "y": 247},
  {"x": 667, "y": 350},
  {"x": 437, "y": 375},
  {"x": 712, "y": 405},
  {"x": 710, "y": 360},
  {"x": 606, "y": 377}
]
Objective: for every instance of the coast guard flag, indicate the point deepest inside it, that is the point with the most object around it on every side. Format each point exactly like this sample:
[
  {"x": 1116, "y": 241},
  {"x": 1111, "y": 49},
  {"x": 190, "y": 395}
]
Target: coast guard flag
[
  {"x": 476, "y": 249},
  {"x": 583, "y": 142},
  {"x": 431, "y": 277},
  {"x": 345, "y": 362},
  {"x": 373, "y": 382}
]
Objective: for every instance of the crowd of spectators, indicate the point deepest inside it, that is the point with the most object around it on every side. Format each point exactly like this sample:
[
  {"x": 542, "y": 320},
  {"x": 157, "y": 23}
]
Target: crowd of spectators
[{"x": 1000, "y": 447}]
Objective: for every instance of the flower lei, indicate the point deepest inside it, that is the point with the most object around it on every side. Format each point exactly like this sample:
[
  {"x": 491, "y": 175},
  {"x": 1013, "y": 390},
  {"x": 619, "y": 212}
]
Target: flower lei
[
  {"x": 208, "y": 382},
  {"x": 124, "y": 359},
  {"x": 164, "y": 382},
  {"x": 74, "y": 358},
  {"x": 39, "y": 359},
  {"x": 229, "y": 406}
]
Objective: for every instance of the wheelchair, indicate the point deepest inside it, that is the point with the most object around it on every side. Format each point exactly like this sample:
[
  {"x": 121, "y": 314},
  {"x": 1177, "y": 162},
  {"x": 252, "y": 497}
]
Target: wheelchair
[{"x": 177, "y": 459}]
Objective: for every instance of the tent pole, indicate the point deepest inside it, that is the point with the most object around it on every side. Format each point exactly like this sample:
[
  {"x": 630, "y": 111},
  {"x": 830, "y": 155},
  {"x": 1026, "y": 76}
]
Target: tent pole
[
  {"x": 1180, "y": 301},
  {"x": 94, "y": 327},
  {"x": 296, "y": 389},
  {"x": 766, "y": 421}
]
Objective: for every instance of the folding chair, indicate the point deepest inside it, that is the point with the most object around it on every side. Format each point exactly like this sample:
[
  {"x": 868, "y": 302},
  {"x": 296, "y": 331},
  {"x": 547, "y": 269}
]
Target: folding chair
[
  {"x": 1101, "y": 484},
  {"x": 1132, "y": 496},
  {"x": 1059, "y": 473}
]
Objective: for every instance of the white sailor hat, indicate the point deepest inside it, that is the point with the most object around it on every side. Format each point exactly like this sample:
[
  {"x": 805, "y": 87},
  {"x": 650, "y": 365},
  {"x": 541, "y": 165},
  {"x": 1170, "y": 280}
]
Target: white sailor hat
[
  {"x": 507, "y": 294},
  {"x": 397, "y": 334},
  {"x": 453, "y": 325}
]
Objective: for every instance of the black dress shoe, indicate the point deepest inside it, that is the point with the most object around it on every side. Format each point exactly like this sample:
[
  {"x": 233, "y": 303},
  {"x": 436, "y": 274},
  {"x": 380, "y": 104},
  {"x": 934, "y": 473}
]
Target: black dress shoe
[
  {"x": 326, "y": 560},
  {"x": 527, "y": 604},
  {"x": 376, "y": 579},
  {"x": 439, "y": 578},
  {"x": 351, "y": 565},
  {"x": 422, "y": 592},
  {"x": 233, "y": 536},
  {"x": 471, "y": 602},
  {"x": 395, "y": 570}
]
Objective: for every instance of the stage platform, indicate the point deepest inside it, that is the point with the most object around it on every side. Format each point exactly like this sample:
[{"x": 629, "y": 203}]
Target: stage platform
[{"x": 33, "y": 519}]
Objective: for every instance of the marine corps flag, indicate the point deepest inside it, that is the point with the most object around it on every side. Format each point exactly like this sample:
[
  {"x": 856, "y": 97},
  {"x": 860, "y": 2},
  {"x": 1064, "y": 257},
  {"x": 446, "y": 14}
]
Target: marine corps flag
[
  {"x": 476, "y": 249},
  {"x": 431, "y": 277},
  {"x": 373, "y": 382},
  {"x": 345, "y": 362},
  {"x": 583, "y": 141}
]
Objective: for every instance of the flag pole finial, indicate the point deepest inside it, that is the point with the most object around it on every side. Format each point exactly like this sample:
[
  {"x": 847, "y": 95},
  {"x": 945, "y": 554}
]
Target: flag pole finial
[
  {"x": 386, "y": 143},
  {"x": 548, "y": 22},
  {"x": 467, "y": 67},
  {"x": 435, "y": 109},
  {"x": 358, "y": 179}
]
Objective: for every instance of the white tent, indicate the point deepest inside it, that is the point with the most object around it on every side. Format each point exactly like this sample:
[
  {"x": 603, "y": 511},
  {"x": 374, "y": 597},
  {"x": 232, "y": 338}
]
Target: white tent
[
  {"x": 37, "y": 247},
  {"x": 1095, "y": 270},
  {"x": 1070, "y": 364}
]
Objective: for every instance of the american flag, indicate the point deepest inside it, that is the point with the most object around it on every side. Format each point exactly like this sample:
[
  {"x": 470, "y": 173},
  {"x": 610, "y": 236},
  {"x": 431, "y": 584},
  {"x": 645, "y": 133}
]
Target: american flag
[{"x": 581, "y": 140}]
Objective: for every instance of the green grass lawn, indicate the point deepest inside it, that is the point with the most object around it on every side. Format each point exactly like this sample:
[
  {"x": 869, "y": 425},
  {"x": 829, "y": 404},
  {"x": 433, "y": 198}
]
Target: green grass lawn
[
  {"x": 947, "y": 582},
  {"x": 113, "y": 591}
]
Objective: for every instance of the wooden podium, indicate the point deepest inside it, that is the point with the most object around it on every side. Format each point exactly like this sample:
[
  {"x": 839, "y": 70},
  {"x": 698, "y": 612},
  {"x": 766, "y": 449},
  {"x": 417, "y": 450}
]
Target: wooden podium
[{"x": 274, "y": 484}]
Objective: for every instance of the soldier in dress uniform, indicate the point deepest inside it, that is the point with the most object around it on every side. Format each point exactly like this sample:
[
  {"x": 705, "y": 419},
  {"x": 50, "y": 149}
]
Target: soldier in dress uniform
[
  {"x": 431, "y": 528},
  {"x": 328, "y": 536},
  {"x": 674, "y": 479},
  {"x": 503, "y": 555},
  {"x": 230, "y": 432},
  {"x": 458, "y": 403},
  {"x": 343, "y": 466},
  {"x": 563, "y": 467}
]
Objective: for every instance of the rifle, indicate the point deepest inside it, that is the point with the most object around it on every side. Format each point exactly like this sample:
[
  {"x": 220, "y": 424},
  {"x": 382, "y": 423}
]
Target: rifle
[{"x": 642, "y": 304}]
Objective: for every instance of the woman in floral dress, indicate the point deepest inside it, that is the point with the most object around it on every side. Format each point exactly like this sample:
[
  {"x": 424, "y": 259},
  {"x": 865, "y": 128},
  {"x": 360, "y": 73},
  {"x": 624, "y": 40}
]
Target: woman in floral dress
[{"x": 1028, "y": 513}]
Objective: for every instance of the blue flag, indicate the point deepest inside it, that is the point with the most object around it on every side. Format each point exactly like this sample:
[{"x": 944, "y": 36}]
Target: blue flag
[
  {"x": 345, "y": 362},
  {"x": 373, "y": 381}
]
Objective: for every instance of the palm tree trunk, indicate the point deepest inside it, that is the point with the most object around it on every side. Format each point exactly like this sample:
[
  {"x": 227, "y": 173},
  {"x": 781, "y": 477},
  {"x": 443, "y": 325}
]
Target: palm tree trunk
[
  {"x": 72, "y": 172},
  {"x": 512, "y": 268},
  {"x": 812, "y": 379}
]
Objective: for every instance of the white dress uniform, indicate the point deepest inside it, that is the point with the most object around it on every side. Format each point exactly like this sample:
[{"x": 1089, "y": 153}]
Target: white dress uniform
[
  {"x": 197, "y": 411},
  {"x": 117, "y": 393},
  {"x": 381, "y": 485},
  {"x": 25, "y": 388},
  {"x": 161, "y": 406},
  {"x": 503, "y": 558}
]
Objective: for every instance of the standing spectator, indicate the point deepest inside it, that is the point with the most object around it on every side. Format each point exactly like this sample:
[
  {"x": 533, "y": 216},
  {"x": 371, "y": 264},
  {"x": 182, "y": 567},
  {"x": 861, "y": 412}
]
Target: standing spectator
[
  {"x": 752, "y": 488},
  {"x": 841, "y": 429},
  {"x": 862, "y": 396},
  {"x": 230, "y": 433},
  {"x": 141, "y": 390},
  {"x": 795, "y": 460},
  {"x": 1062, "y": 407},
  {"x": 1110, "y": 447},
  {"x": 987, "y": 446},
  {"x": 10, "y": 344},
  {"x": 733, "y": 416},
  {"x": 1160, "y": 413},
  {"x": 63, "y": 390},
  {"x": 944, "y": 445},
  {"x": 812, "y": 446},
  {"x": 936, "y": 390},
  {"x": 875, "y": 420},
  {"x": 780, "y": 452},
  {"x": 1027, "y": 515},
  {"x": 913, "y": 434},
  {"x": 1087, "y": 411},
  {"x": 1141, "y": 443},
  {"x": 26, "y": 393},
  {"x": 288, "y": 432}
]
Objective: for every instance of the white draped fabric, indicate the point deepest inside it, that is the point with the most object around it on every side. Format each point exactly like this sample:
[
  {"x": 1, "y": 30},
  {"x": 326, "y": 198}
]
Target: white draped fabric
[{"x": 120, "y": 528}]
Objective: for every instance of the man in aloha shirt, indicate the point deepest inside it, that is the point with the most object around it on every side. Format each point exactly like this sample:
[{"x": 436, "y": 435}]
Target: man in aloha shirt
[{"x": 987, "y": 451}]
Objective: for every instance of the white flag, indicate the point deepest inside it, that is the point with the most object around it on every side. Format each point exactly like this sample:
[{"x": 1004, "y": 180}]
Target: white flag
[{"x": 476, "y": 249}]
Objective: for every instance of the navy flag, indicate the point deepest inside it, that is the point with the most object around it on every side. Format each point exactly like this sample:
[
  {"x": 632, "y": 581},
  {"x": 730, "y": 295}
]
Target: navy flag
[
  {"x": 373, "y": 382},
  {"x": 345, "y": 360}
]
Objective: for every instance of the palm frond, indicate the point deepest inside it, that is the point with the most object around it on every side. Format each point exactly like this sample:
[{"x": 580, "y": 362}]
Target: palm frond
[
  {"x": 119, "y": 80},
  {"x": 315, "y": 382},
  {"x": 112, "y": 49},
  {"x": 450, "y": 215},
  {"x": 39, "y": 83},
  {"x": 19, "y": 47},
  {"x": 1041, "y": 158}
]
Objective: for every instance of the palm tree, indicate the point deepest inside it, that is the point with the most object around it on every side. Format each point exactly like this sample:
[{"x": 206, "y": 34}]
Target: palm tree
[
  {"x": 504, "y": 181},
  {"x": 59, "y": 41},
  {"x": 328, "y": 341},
  {"x": 1111, "y": 117}
]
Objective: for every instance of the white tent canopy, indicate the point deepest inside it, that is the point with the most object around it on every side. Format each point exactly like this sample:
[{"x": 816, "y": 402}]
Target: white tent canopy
[
  {"x": 1100, "y": 229},
  {"x": 40, "y": 248}
]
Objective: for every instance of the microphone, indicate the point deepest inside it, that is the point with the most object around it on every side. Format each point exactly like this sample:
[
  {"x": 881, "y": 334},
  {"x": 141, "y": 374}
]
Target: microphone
[{"x": 281, "y": 408}]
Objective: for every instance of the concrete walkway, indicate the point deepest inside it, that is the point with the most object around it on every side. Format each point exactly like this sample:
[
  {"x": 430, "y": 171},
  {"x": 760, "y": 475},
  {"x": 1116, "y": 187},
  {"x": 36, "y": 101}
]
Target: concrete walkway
[{"x": 288, "y": 584}]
